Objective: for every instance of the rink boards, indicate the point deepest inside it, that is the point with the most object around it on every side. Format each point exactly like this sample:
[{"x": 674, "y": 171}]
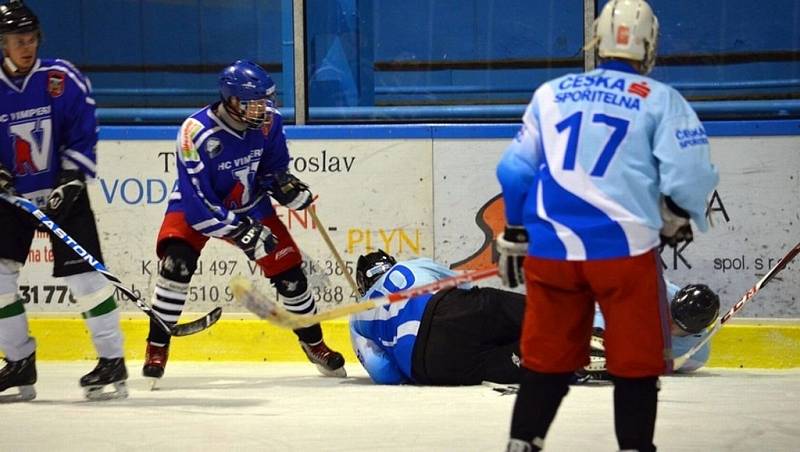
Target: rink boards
[{"x": 425, "y": 190}]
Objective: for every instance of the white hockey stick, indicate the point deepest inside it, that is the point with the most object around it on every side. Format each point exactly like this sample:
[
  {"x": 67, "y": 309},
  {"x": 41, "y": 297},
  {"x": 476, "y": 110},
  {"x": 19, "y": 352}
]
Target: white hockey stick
[
  {"x": 312, "y": 210},
  {"x": 183, "y": 329},
  {"x": 268, "y": 309},
  {"x": 681, "y": 360}
]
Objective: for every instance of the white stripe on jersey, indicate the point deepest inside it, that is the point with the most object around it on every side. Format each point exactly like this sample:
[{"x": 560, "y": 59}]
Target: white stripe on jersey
[
  {"x": 71, "y": 72},
  {"x": 195, "y": 169},
  {"x": 81, "y": 159},
  {"x": 571, "y": 241},
  {"x": 404, "y": 329}
]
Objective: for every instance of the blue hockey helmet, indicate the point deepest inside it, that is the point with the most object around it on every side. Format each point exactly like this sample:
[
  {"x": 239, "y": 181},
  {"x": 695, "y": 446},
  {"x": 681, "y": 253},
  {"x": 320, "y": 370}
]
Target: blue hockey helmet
[
  {"x": 694, "y": 308},
  {"x": 371, "y": 267},
  {"x": 248, "y": 93},
  {"x": 15, "y": 17}
]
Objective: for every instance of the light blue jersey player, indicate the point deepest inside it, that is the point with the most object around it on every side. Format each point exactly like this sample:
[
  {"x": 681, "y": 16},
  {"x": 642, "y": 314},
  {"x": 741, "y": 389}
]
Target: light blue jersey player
[
  {"x": 694, "y": 309},
  {"x": 576, "y": 204},
  {"x": 384, "y": 338}
]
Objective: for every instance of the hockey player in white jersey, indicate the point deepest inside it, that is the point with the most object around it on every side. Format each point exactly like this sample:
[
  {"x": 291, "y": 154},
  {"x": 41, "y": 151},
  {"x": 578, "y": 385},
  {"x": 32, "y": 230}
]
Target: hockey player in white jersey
[{"x": 608, "y": 165}]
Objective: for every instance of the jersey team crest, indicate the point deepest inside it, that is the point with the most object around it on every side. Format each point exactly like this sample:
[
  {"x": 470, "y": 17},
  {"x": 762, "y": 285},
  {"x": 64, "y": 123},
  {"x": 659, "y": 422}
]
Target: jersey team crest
[{"x": 55, "y": 83}]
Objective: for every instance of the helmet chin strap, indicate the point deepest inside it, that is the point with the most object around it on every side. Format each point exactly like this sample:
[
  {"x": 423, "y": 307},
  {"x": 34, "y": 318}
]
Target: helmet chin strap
[{"x": 10, "y": 65}]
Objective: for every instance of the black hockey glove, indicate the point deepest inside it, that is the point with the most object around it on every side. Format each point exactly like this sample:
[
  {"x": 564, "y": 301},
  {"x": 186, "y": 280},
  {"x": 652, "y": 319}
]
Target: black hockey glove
[
  {"x": 255, "y": 239},
  {"x": 512, "y": 247},
  {"x": 676, "y": 228},
  {"x": 288, "y": 190},
  {"x": 70, "y": 186},
  {"x": 6, "y": 180}
]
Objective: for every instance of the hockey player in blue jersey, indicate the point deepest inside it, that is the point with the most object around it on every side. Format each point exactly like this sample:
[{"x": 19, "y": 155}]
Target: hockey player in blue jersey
[
  {"x": 232, "y": 161},
  {"x": 608, "y": 165},
  {"x": 459, "y": 336},
  {"x": 48, "y": 134}
]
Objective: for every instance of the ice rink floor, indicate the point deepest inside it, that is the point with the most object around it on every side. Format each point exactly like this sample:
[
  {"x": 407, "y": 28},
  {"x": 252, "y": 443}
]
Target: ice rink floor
[{"x": 288, "y": 407}]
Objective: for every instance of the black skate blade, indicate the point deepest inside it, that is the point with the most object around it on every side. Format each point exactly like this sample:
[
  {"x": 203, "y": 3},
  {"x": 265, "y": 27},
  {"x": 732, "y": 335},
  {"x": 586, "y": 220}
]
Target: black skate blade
[
  {"x": 197, "y": 325},
  {"x": 97, "y": 393},
  {"x": 26, "y": 394},
  {"x": 503, "y": 389}
]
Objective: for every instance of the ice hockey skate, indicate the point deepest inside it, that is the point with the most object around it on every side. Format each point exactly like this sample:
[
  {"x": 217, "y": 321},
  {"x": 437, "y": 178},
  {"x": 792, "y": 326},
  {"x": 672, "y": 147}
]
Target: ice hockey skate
[
  {"x": 109, "y": 371},
  {"x": 155, "y": 360},
  {"x": 21, "y": 375},
  {"x": 329, "y": 363}
]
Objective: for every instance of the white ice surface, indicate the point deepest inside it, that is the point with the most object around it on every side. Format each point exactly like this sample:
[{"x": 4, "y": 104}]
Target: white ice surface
[{"x": 288, "y": 407}]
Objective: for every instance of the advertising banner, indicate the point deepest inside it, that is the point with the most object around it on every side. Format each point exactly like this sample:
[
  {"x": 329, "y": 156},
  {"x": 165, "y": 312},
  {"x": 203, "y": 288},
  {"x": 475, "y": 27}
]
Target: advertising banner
[
  {"x": 755, "y": 215},
  {"x": 370, "y": 194}
]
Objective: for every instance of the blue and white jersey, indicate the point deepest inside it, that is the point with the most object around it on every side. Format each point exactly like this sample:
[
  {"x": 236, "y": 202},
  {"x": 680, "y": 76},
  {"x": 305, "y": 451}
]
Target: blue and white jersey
[
  {"x": 219, "y": 170},
  {"x": 595, "y": 153},
  {"x": 383, "y": 338},
  {"x": 680, "y": 344},
  {"x": 47, "y": 123}
]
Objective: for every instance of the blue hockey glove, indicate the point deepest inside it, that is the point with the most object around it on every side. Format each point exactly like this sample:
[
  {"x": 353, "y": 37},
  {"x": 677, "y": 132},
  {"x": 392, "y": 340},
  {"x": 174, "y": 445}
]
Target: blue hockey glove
[
  {"x": 676, "y": 227},
  {"x": 512, "y": 247},
  {"x": 69, "y": 187},
  {"x": 288, "y": 190},
  {"x": 255, "y": 239}
]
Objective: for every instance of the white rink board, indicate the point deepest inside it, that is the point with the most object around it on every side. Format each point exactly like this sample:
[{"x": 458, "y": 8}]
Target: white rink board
[
  {"x": 350, "y": 178},
  {"x": 423, "y": 197},
  {"x": 759, "y": 190}
]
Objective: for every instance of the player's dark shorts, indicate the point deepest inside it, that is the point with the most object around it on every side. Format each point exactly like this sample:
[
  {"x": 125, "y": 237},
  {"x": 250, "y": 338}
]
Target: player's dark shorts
[
  {"x": 469, "y": 336},
  {"x": 17, "y": 228}
]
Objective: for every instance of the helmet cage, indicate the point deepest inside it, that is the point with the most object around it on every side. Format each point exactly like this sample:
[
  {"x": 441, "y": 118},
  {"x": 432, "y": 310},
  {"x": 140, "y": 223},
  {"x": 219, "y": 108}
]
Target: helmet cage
[{"x": 255, "y": 113}]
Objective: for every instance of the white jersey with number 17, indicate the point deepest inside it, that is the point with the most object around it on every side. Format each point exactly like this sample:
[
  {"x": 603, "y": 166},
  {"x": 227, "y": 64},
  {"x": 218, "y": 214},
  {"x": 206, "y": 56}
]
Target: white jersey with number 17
[{"x": 595, "y": 153}]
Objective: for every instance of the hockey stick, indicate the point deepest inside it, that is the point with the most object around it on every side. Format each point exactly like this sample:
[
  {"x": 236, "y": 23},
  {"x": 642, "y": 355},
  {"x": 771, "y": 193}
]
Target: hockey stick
[
  {"x": 266, "y": 308},
  {"x": 681, "y": 360},
  {"x": 324, "y": 233},
  {"x": 183, "y": 329}
]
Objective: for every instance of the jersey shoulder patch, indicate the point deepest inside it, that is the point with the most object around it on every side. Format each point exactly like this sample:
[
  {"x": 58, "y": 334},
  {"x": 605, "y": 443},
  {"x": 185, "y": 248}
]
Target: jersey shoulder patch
[{"x": 190, "y": 130}]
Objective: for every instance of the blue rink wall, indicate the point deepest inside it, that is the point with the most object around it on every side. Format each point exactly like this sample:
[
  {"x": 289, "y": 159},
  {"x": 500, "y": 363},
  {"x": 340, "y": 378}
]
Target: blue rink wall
[{"x": 454, "y": 210}]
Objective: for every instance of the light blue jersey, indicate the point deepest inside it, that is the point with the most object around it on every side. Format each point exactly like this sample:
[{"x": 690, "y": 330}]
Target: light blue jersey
[
  {"x": 595, "y": 153},
  {"x": 680, "y": 344},
  {"x": 383, "y": 338}
]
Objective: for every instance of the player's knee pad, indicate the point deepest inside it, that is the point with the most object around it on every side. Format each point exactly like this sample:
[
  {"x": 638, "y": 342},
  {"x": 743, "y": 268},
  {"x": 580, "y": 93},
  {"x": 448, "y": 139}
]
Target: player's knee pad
[
  {"x": 92, "y": 292},
  {"x": 9, "y": 275},
  {"x": 292, "y": 286},
  {"x": 179, "y": 262}
]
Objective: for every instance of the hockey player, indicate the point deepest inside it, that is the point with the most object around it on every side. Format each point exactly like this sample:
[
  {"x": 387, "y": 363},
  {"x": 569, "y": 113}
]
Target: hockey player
[
  {"x": 48, "y": 134},
  {"x": 459, "y": 336},
  {"x": 451, "y": 344},
  {"x": 232, "y": 156},
  {"x": 607, "y": 164},
  {"x": 694, "y": 308}
]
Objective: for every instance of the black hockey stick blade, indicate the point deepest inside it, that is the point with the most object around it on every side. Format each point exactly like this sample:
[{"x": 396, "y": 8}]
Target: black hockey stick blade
[{"x": 197, "y": 325}]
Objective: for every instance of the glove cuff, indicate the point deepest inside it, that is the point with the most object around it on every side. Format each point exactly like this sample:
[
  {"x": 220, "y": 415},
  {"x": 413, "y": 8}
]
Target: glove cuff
[
  {"x": 517, "y": 234},
  {"x": 674, "y": 208}
]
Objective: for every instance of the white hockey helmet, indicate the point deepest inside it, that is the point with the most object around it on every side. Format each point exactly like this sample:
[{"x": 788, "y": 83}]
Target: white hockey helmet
[{"x": 627, "y": 29}]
